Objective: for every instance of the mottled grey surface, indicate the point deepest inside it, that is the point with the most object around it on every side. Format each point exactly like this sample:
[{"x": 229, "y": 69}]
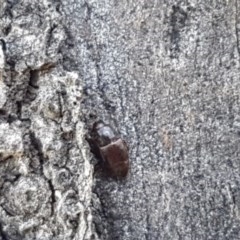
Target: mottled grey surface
[
  {"x": 45, "y": 173},
  {"x": 165, "y": 74}
]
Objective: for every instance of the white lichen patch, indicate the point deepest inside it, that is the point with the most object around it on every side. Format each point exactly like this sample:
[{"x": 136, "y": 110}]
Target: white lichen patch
[
  {"x": 11, "y": 144},
  {"x": 27, "y": 196},
  {"x": 3, "y": 97},
  {"x": 2, "y": 57}
]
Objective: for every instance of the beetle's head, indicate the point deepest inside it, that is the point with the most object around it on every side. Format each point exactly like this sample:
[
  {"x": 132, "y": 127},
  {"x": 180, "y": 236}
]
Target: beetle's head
[{"x": 104, "y": 134}]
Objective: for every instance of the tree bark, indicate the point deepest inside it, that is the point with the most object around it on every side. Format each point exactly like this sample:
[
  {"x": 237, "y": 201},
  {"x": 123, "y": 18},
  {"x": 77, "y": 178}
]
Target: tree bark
[{"x": 165, "y": 74}]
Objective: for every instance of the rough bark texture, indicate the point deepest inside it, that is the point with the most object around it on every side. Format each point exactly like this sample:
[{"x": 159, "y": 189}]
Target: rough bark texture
[{"x": 165, "y": 73}]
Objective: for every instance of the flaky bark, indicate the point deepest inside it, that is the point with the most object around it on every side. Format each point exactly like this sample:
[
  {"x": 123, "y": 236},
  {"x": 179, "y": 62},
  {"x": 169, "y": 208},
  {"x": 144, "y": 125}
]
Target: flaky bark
[{"x": 165, "y": 74}]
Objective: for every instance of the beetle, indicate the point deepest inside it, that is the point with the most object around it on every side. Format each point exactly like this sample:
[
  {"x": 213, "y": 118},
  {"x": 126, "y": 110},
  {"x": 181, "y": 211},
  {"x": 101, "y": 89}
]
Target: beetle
[{"x": 110, "y": 148}]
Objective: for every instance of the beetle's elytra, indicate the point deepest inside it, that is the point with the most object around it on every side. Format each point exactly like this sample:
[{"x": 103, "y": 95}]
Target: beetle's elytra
[{"x": 112, "y": 150}]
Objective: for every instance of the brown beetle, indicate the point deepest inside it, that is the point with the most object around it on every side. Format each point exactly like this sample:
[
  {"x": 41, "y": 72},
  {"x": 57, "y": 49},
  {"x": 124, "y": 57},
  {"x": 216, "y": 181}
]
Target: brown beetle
[{"x": 111, "y": 149}]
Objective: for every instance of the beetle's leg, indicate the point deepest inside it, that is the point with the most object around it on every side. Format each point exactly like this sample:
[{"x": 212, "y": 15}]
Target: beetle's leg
[{"x": 126, "y": 145}]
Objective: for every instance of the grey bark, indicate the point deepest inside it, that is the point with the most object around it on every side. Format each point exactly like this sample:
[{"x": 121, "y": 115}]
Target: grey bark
[{"x": 165, "y": 74}]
